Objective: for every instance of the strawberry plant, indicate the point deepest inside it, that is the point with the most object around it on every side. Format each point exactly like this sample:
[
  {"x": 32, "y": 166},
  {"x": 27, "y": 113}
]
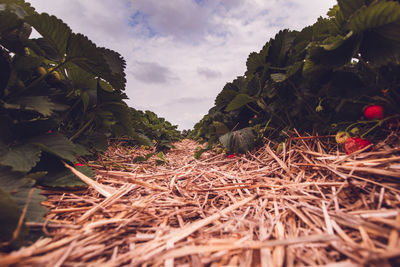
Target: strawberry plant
[
  {"x": 61, "y": 97},
  {"x": 318, "y": 79},
  {"x": 160, "y": 131}
]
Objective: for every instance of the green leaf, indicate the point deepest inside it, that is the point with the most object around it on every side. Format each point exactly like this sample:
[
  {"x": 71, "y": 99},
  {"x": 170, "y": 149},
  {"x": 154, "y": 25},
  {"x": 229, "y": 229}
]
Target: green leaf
[
  {"x": 239, "y": 141},
  {"x": 19, "y": 189},
  {"x": 225, "y": 97},
  {"x": 114, "y": 60},
  {"x": 81, "y": 150},
  {"x": 80, "y": 78},
  {"x": 142, "y": 139},
  {"x": 278, "y": 77},
  {"x": 300, "y": 44},
  {"x": 36, "y": 211},
  {"x": 20, "y": 7},
  {"x": 14, "y": 190},
  {"x": 26, "y": 62},
  {"x": 220, "y": 128},
  {"x": 43, "y": 48},
  {"x": 323, "y": 29},
  {"x": 226, "y": 140},
  {"x": 269, "y": 91},
  {"x": 280, "y": 46},
  {"x": 56, "y": 144},
  {"x": 336, "y": 51},
  {"x": 161, "y": 158},
  {"x": 85, "y": 101},
  {"x": 239, "y": 85},
  {"x": 36, "y": 175},
  {"x": 85, "y": 54},
  {"x": 96, "y": 140},
  {"x": 11, "y": 181},
  {"x": 64, "y": 178},
  {"x": 143, "y": 159},
  {"x": 199, "y": 152},
  {"x": 294, "y": 69},
  {"x": 239, "y": 101},
  {"x": 338, "y": 20},
  {"x": 378, "y": 14},
  {"x": 255, "y": 63},
  {"x": 379, "y": 50},
  {"x": 41, "y": 104},
  {"x": 21, "y": 158},
  {"x": 117, "y": 65},
  {"x": 120, "y": 117},
  {"x": 390, "y": 31},
  {"x": 254, "y": 87},
  {"x": 348, "y": 7},
  {"x": 309, "y": 67},
  {"x": 379, "y": 23},
  {"x": 8, "y": 22},
  {"x": 105, "y": 86},
  {"x": 9, "y": 215},
  {"x": 53, "y": 30}
]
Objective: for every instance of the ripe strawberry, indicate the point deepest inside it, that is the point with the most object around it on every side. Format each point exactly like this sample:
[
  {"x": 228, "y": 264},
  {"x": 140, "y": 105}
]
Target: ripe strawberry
[
  {"x": 354, "y": 144},
  {"x": 373, "y": 112}
]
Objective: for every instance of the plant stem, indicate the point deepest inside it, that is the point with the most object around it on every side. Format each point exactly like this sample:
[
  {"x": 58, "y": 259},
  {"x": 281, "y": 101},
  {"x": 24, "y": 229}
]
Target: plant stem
[
  {"x": 82, "y": 129},
  {"x": 252, "y": 109},
  {"x": 379, "y": 123}
]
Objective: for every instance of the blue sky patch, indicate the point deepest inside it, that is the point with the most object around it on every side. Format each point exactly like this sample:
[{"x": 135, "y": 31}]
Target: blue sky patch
[
  {"x": 140, "y": 20},
  {"x": 199, "y": 2}
]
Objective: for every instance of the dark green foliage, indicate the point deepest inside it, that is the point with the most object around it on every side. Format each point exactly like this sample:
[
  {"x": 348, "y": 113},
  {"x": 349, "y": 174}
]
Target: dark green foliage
[
  {"x": 318, "y": 79},
  {"x": 154, "y": 130},
  {"x": 61, "y": 97}
]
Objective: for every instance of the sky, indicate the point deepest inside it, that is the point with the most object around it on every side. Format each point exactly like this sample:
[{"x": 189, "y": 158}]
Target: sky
[{"x": 181, "y": 53}]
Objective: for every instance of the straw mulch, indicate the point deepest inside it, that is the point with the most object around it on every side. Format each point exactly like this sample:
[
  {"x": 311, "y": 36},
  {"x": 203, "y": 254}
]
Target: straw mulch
[{"x": 307, "y": 205}]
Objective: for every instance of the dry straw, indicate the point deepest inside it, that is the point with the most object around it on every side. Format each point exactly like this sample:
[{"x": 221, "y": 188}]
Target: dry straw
[{"x": 307, "y": 205}]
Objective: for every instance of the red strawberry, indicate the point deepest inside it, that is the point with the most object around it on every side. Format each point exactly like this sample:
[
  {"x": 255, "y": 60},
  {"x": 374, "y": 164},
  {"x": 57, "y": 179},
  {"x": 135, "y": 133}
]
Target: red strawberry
[
  {"x": 231, "y": 156},
  {"x": 78, "y": 164},
  {"x": 354, "y": 144},
  {"x": 373, "y": 112}
]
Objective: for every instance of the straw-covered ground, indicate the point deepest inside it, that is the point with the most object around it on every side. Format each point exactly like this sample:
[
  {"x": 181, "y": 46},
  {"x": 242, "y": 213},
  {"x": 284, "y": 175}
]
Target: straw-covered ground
[{"x": 307, "y": 205}]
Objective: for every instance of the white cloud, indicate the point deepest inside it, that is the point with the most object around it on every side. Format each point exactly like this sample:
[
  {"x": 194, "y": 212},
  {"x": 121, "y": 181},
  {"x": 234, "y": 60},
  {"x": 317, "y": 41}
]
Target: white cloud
[
  {"x": 152, "y": 72},
  {"x": 208, "y": 73},
  {"x": 180, "y": 53}
]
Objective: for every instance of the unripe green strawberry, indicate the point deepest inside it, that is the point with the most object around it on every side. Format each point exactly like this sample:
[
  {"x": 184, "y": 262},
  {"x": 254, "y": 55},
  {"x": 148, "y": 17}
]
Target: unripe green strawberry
[
  {"x": 341, "y": 137},
  {"x": 41, "y": 71},
  {"x": 355, "y": 131}
]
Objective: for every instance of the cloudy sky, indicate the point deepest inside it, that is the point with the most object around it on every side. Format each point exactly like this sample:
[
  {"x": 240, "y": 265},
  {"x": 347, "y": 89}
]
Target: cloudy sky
[{"x": 180, "y": 53}]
